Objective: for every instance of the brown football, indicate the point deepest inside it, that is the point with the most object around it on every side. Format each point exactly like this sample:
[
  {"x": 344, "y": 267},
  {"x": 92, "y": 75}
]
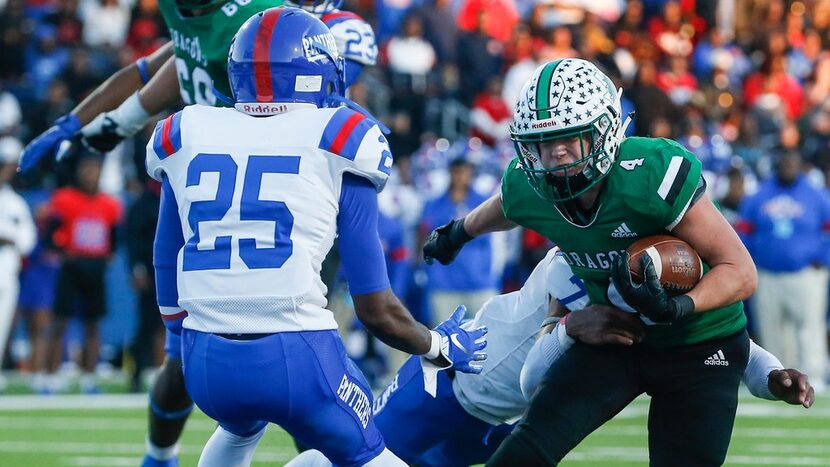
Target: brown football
[{"x": 678, "y": 265}]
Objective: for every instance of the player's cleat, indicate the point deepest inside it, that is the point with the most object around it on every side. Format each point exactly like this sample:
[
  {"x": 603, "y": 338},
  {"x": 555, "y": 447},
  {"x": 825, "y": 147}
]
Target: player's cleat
[{"x": 150, "y": 461}]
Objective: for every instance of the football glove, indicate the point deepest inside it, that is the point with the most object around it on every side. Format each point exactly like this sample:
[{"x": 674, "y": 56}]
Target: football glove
[
  {"x": 50, "y": 141},
  {"x": 649, "y": 298},
  {"x": 457, "y": 348},
  {"x": 464, "y": 349},
  {"x": 108, "y": 129},
  {"x": 445, "y": 242}
]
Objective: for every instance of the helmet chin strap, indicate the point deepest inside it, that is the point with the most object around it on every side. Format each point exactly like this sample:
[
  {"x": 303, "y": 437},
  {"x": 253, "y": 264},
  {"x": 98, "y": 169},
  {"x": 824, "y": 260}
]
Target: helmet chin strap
[
  {"x": 568, "y": 185},
  {"x": 229, "y": 101},
  {"x": 624, "y": 127}
]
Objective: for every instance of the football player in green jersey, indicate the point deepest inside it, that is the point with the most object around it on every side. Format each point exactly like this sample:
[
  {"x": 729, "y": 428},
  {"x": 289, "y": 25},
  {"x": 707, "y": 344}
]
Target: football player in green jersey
[{"x": 592, "y": 192}]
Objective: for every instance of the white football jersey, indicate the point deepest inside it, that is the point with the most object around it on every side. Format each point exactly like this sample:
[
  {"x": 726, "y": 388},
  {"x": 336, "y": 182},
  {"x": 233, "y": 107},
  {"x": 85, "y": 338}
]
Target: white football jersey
[
  {"x": 258, "y": 199},
  {"x": 513, "y": 321}
]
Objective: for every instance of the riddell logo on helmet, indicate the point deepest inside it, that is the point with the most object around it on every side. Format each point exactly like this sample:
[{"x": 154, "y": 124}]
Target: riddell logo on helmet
[
  {"x": 545, "y": 124},
  {"x": 262, "y": 109}
]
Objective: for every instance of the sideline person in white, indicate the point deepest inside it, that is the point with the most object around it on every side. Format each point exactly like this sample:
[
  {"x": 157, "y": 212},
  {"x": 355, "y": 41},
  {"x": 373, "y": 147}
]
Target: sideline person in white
[{"x": 17, "y": 237}]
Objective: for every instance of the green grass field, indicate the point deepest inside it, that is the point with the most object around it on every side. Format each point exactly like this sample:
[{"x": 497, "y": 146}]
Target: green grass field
[{"x": 109, "y": 430}]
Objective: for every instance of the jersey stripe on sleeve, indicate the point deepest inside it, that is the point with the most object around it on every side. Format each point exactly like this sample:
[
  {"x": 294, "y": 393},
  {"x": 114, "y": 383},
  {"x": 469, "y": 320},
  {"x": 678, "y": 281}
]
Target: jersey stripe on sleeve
[
  {"x": 344, "y": 133},
  {"x": 167, "y": 137},
  {"x": 673, "y": 180}
]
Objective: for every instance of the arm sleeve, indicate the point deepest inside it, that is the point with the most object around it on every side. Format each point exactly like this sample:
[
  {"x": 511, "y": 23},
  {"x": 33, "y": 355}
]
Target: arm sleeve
[
  {"x": 169, "y": 240},
  {"x": 546, "y": 350},
  {"x": 360, "y": 248},
  {"x": 756, "y": 375}
]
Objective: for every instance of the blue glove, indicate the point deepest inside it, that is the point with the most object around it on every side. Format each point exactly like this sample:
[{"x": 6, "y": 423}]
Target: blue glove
[
  {"x": 462, "y": 348},
  {"x": 49, "y": 141}
]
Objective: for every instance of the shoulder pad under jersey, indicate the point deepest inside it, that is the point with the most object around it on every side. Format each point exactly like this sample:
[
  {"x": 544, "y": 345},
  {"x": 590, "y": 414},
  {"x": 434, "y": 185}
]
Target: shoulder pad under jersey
[
  {"x": 660, "y": 175},
  {"x": 357, "y": 139},
  {"x": 166, "y": 141}
]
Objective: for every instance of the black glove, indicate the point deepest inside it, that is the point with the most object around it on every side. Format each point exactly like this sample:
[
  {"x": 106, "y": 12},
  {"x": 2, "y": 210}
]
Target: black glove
[
  {"x": 106, "y": 138},
  {"x": 445, "y": 242},
  {"x": 649, "y": 298}
]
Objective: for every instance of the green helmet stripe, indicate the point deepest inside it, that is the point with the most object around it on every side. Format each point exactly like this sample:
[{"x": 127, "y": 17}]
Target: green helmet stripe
[{"x": 543, "y": 90}]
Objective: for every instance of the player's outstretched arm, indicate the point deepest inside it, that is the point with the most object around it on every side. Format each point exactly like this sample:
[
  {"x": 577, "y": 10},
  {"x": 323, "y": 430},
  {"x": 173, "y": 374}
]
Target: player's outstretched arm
[
  {"x": 445, "y": 242},
  {"x": 124, "y": 83},
  {"x": 375, "y": 304},
  {"x": 593, "y": 325},
  {"x": 766, "y": 378},
  {"x": 109, "y": 95},
  {"x": 732, "y": 277},
  {"x": 108, "y": 129}
]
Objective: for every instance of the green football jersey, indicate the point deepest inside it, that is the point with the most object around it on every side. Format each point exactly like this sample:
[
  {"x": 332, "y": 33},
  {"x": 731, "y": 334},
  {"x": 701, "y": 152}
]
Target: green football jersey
[
  {"x": 201, "y": 46},
  {"x": 646, "y": 193}
]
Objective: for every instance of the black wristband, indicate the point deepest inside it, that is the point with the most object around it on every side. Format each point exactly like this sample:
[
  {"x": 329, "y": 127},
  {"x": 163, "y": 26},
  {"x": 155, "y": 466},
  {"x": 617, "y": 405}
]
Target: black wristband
[{"x": 459, "y": 236}]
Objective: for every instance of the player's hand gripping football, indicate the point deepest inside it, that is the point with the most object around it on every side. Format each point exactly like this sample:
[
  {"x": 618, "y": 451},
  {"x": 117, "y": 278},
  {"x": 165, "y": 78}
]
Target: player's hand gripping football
[
  {"x": 50, "y": 141},
  {"x": 792, "y": 387},
  {"x": 463, "y": 349},
  {"x": 649, "y": 298},
  {"x": 445, "y": 242}
]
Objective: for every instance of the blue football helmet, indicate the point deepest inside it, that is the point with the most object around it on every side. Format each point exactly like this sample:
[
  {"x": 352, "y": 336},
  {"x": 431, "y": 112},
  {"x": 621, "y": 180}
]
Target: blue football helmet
[
  {"x": 285, "y": 55},
  {"x": 316, "y": 7}
]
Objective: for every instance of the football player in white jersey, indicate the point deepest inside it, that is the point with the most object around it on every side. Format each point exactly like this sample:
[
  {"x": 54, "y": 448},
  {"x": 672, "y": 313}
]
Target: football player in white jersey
[
  {"x": 252, "y": 198},
  {"x": 354, "y": 36},
  {"x": 123, "y": 105},
  {"x": 471, "y": 416}
]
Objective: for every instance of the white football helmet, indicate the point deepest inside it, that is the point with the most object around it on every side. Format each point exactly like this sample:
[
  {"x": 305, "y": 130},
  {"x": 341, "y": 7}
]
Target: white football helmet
[{"x": 567, "y": 98}]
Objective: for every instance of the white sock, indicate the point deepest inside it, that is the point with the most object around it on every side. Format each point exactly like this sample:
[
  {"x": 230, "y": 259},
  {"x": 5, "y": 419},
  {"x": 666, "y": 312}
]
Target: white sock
[
  {"x": 310, "y": 458},
  {"x": 225, "y": 449},
  {"x": 386, "y": 459},
  {"x": 162, "y": 454}
]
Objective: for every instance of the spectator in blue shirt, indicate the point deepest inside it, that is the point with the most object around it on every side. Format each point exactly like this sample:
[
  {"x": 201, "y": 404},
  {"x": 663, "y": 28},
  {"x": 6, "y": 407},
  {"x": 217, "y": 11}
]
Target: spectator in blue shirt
[
  {"x": 785, "y": 227},
  {"x": 469, "y": 280}
]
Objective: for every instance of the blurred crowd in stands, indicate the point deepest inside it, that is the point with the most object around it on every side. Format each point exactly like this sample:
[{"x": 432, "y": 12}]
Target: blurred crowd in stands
[{"x": 743, "y": 84}]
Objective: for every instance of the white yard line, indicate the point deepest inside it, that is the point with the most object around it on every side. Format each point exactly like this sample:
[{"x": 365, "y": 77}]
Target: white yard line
[
  {"x": 94, "y": 447},
  {"x": 73, "y": 401},
  {"x": 89, "y": 424}
]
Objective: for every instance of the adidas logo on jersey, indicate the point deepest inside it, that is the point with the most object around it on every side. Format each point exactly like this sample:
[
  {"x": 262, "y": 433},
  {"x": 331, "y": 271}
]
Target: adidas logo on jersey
[
  {"x": 623, "y": 232},
  {"x": 717, "y": 359}
]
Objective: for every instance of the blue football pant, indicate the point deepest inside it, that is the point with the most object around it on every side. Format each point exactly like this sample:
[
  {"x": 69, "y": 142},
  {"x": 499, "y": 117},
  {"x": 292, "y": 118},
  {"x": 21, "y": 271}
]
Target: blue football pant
[
  {"x": 432, "y": 432},
  {"x": 302, "y": 381}
]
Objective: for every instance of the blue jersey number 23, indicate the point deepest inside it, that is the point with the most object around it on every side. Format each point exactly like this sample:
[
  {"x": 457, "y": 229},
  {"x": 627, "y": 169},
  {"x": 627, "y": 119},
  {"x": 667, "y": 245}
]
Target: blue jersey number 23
[{"x": 251, "y": 209}]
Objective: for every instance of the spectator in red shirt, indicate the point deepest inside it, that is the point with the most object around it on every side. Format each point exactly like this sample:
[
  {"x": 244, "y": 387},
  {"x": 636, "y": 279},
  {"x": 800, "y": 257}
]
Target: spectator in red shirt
[
  {"x": 490, "y": 115},
  {"x": 82, "y": 227},
  {"x": 774, "y": 79},
  {"x": 500, "y": 17}
]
